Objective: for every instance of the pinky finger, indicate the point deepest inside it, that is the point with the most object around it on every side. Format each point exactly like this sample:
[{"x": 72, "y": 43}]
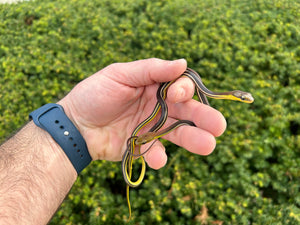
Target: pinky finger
[{"x": 156, "y": 158}]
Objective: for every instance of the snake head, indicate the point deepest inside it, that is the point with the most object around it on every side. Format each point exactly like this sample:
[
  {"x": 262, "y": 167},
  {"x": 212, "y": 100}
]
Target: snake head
[
  {"x": 242, "y": 96},
  {"x": 145, "y": 138}
]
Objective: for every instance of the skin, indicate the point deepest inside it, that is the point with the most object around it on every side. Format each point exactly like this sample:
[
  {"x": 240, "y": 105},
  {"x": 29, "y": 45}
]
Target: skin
[{"x": 36, "y": 175}]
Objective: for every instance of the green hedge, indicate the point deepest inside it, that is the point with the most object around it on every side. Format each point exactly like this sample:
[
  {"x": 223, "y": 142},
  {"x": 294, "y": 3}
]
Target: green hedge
[{"x": 253, "y": 176}]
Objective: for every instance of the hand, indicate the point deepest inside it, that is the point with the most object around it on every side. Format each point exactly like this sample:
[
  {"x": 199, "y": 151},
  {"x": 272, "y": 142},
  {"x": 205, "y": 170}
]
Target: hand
[{"x": 107, "y": 106}]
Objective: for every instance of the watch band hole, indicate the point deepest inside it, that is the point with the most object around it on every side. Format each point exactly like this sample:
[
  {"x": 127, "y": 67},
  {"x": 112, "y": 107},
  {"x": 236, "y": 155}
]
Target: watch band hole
[
  {"x": 75, "y": 145},
  {"x": 56, "y": 121},
  {"x": 61, "y": 127},
  {"x": 78, "y": 150}
]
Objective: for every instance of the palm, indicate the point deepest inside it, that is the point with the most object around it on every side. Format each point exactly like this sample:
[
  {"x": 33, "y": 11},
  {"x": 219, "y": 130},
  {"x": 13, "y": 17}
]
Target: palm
[{"x": 109, "y": 112}]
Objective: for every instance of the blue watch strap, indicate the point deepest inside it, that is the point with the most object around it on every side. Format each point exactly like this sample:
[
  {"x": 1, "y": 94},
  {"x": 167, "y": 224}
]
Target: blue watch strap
[{"x": 52, "y": 118}]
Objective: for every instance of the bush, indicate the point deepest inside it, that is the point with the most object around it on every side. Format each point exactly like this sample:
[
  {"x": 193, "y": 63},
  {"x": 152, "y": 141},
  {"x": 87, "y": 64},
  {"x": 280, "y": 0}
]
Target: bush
[{"x": 252, "y": 177}]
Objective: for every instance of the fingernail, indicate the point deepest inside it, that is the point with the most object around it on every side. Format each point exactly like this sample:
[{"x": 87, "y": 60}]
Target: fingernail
[{"x": 178, "y": 61}]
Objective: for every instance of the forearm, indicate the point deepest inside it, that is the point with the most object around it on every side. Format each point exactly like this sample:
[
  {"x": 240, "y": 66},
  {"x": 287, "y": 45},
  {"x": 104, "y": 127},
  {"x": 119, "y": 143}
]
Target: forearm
[{"x": 35, "y": 177}]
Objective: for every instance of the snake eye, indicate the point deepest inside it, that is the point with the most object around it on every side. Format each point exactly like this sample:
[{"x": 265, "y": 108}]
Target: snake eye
[{"x": 243, "y": 97}]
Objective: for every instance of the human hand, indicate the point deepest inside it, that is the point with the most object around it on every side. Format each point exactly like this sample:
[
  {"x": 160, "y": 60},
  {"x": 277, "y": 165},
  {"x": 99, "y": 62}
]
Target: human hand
[{"x": 107, "y": 106}]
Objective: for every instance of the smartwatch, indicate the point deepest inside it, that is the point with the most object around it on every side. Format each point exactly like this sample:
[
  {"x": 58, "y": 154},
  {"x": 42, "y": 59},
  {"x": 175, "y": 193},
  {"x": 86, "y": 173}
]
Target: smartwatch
[{"x": 52, "y": 118}]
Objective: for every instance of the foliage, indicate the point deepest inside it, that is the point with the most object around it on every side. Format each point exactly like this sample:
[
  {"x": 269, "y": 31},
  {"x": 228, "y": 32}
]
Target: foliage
[{"x": 253, "y": 176}]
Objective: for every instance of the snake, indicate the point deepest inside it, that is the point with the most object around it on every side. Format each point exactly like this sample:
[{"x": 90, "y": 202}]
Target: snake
[{"x": 154, "y": 132}]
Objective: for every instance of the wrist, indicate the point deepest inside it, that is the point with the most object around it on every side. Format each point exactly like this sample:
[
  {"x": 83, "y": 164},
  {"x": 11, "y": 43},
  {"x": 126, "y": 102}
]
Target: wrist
[
  {"x": 52, "y": 118},
  {"x": 56, "y": 161}
]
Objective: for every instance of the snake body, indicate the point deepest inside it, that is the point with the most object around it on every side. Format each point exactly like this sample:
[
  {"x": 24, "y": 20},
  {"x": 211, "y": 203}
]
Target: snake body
[{"x": 155, "y": 132}]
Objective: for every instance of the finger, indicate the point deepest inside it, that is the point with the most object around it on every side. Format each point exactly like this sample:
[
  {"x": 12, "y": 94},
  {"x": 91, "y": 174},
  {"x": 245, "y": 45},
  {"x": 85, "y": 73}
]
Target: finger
[
  {"x": 194, "y": 139},
  {"x": 156, "y": 158},
  {"x": 147, "y": 71},
  {"x": 204, "y": 116},
  {"x": 182, "y": 90}
]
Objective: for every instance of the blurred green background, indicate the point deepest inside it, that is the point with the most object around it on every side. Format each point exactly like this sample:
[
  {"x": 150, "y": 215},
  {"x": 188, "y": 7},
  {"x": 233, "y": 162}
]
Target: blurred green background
[{"x": 252, "y": 177}]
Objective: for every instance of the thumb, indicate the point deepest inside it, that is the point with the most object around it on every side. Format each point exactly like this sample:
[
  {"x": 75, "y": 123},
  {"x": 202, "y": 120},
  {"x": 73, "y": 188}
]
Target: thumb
[{"x": 147, "y": 71}]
